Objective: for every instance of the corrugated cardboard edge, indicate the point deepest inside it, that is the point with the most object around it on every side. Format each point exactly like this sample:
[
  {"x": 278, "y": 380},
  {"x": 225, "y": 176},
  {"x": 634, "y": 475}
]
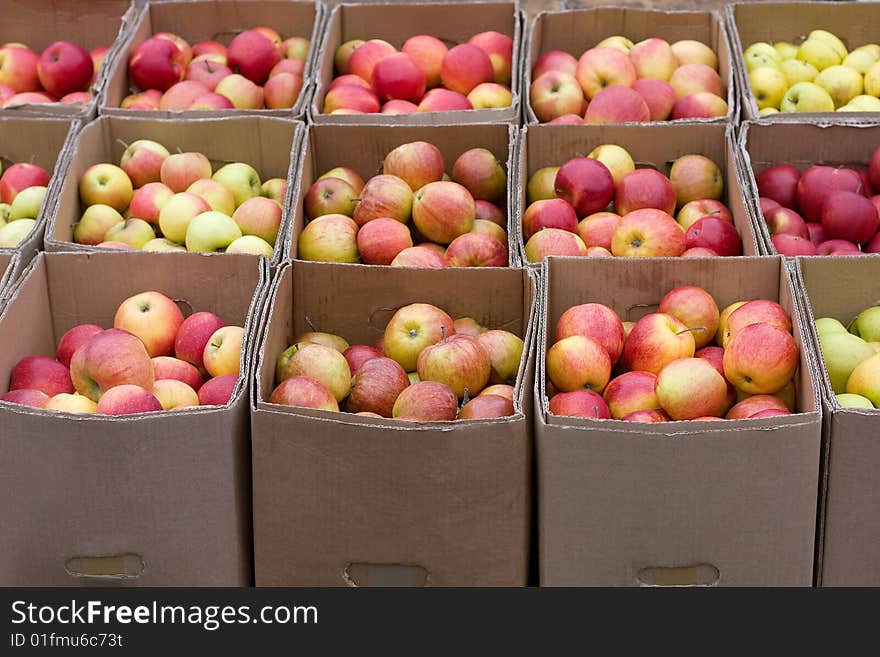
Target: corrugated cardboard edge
[
  {"x": 296, "y": 193},
  {"x": 8, "y": 267},
  {"x": 733, "y": 94},
  {"x": 48, "y": 230},
  {"x": 507, "y": 115},
  {"x": 126, "y": 44},
  {"x": 89, "y": 111},
  {"x": 748, "y": 106}
]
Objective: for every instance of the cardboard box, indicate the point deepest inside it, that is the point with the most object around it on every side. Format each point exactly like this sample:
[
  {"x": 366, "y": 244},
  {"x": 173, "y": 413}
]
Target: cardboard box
[
  {"x": 42, "y": 141},
  {"x": 849, "y": 537},
  {"x": 220, "y": 20},
  {"x": 270, "y": 145},
  {"x": 88, "y": 23},
  {"x": 800, "y": 145},
  {"x": 8, "y": 266},
  {"x": 346, "y": 500},
  {"x": 855, "y": 23},
  {"x": 451, "y": 22},
  {"x": 364, "y": 148},
  {"x": 157, "y": 499},
  {"x": 730, "y": 503},
  {"x": 576, "y": 30},
  {"x": 655, "y": 146}
]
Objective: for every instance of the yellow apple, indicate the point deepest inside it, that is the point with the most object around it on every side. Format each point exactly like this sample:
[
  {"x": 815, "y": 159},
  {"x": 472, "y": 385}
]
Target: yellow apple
[
  {"x": 831, "y": 39},
  {"x": 768, "y": 86},
  {"x": 617, "y": 159},
  {"x": 872, "y": 80},
  {"x": 819, "y": 53},
  {"x": 841, "y": 82},
  {"x": 863, "y": 103},
  {"x": 768, "y": 110},
  {"x": 872, "y": 48},
  {"x": 761, "y": 54},
  {"x": 785, "y": 49},
  {"x": 796, "y": 70},
  {"x": 806, "y": 97},
  {"x": 860, "y": 60},
  {"x": 621, "y": 43}
]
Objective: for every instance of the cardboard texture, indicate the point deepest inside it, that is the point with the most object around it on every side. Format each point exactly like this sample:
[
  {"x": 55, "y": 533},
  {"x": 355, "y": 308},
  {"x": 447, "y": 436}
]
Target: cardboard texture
[
  {"x": 855, "y": 23},
  {"x": 220, "y": 20},
  {"x": 655, "y": 146},
  {"x": 270, "y": 145},
  {"x": 363, "y": 148},
  {"x": 88, "y": 23},
  {"x": 395, "y": 22},
  {"x": 849, "y": 538},
  {"x": 8, "y": 265},
  {"x": 729, "y": 503},
  {"x": 42, "y": 141},
  {"x": 576, "y": 30},
  {"x": 800, "y": 145},
  {"x": 346, "y": 500},
  {"x": 157, "y": 499}
]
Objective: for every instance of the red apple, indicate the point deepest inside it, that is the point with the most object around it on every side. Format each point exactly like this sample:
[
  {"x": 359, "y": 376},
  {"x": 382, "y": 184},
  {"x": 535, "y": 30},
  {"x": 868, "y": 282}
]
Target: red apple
[
  {"x": 586, "y": 184},
  {"x": 714, "y": 234},
  {"x": 64, "y": 68},
  {"x": 398, "y": 77},
  {"x": 358, "y": 354},
  {"x": 786, "y": 222},
  {"x": 696, "y": 78},
  {"x": 874, "y": 169},
  {"x": 647, "y": 416},
  {"x": 598, "y": 229},
  {"x": 837, "y": 247},
  {"x": 617, "y": 105},
  {"x": 580, "y": 403},
  {"x": 658, "y": 95},
  {"x": 603, "y": 68},
  {"x": 554, "y": 60},
  {"x": 381, "y": 240},
  {"x": 553, "y": 241},
  {"x": 779, "y": 183},
  {"x": 695, "y": 177},
  {"x": 480, "y": 172},
  {"x": 555, "y": 94},
  {"x": 767, "y": 205},
  {"x": 399, "y": 107},
  {"x": 142, "y": 162},
  {"x": 385, "y": 196},
  {"x": 549, "y": 213},
  {"x": 577, "y": 363},
  {"x": 180, "y": 170},
  {"x": 330, "y": 196},
  {"x": 427, "y": 52},
  {"x": 816, "y": 232},
  {"x": 110, "y": 358},
  {"x": 505, "y": 353},
  {"x": 218, "y": 391},
  {"x": 693, "y": 211},
  {"x": 696, "y": 309},
  {"x": 20, "y": 176},
  {"x": 760, "y": 359},
  {"x": 152, "y": 317},
  {"x": 792, "y": 245},
  {"x": 648, "y": 233},
  {"x": 655, "y": 341},
  {"x": 486, "y": 211},
  {"x": 442, "y": 211},
  {"x": 208, "y": 72},
  {"x": 18, "y": 68},
  {"x": 156, "y": 64},
  {"x": 699, "y": 252},
  {"x": 347, "y": 80},
  {"x": 207, "y": 48},
  {"x": 459, "y": 361},
  {"x": 644, "y": 188},
  {"x": 365, "y": 57},
  {"x": 874, "y": 245},
  {"x": 849, "y": 216},
  {"x": 426, "y": 401},
  {"x": 499, "y": 48},
  {"x": 703, "y": 105},
  {"x": 689, "y": 388},
  {"x": 444, "y": 100},
  {"x": 817, "y": 183},
  {"x": 299, "y": 392},
  {"x": 476, "y": 250},
  {"x": 166, "y": 367},
  {"x": 295, "y": 67},
  {"x": 484, "y": 407},
  {"x": 567, "y": 119},
  {"x": 755, "y": 312},
  {"x": 73, "y": 340},
  {"x": 417, "y": 162},
  {"x": 127, "y": 399},
  {"x": 351, "y": 97},
  {"x": 376, "y": 386},
  {"x": 34, "y": 398},
  {"x": 464, "y": 67},
  {"x": 596, "y": 321},
  {"x": 252, "y": 54},
  {"x": 41, "y": 373},
  {"x": 631, "y": 392},
  {"x": 193, "y": 335}
]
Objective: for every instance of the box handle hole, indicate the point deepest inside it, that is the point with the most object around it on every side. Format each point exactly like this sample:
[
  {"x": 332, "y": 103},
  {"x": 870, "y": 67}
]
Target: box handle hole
[
  {"x": 385, "y": 574},
  {"x": 703, "y": 574}
]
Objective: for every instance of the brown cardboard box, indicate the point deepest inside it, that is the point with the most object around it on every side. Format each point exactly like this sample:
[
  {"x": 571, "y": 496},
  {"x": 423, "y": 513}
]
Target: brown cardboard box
[
  {"x": 655, "y": 146},
  {"x": 220, "y": 20},
  {"x": 8, "y": 266},
  {"x": 729, "y": 503},
  {"x": 450, "y": 22},
  {"x": 159, "y": 499},
  {"x": 849, "y": 539},
  {"x": 88, "y": 23},
  {"x": 364, "y": 148},
  {"x": 270, "y": 145},
  {"x": 340, "y": 499},
  {"x": 576, "y": 30},
  {"x": 853, "y": 22},
  {"x": 42, "y": 141},
  {"x": 801, "y": 145}
]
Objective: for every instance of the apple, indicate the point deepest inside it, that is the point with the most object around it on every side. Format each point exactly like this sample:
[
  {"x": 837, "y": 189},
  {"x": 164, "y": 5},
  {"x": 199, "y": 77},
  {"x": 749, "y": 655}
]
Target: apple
[
  {"x": 178, "y": 213},
  {"x": 864, "y": 380},
  {"x": 599, "y": 68},
  {"x": 330, "y": 196},
  {"x": 490, "y": 95},
  {"x": 647, "y": 416},
  {"x": 787, "y": 222},
  {"x": 874, "y": 245},
  {"x": 127, "y": 399},
  {"x": 14, "y": 233},
  {"x": 29, "y": 98},
  {"x": 586, "y": 184},
  {"x": 749, "y": 406},
  {"x": 597, "y": 229},
  {"x": 549, "y": 213},
  {"x": 780, "y": 183},
  {"x": 485, "y": 407},
  {"x": 358, "y": 354},
  {"x": 841, "y": 354},
  {"x": 505, "y": 352},
  {"x": 343, "y": 54},
  {"x": 134, "y": 233},
  {"x": 468, "y": 326},
  {"x": 381, "y": 240},
  {"x": 464, "y": 67},
  {"x": 156, "y": 63},
  {"x": 702, "y": 105},
  {"x": 82, "y": 97},
  {"x": 331, "y": 340},
  {"x": 260, "y": 217},
  {"x": 849, "y": 216},
  {"x": 768, "y": 87},
  {"x": 693, "y": 211},
  {"x": 419, "y": 256},
  {"x": 73, "y": 339},
  {"x": 460, "y": 362},
  {"x": 867, "y": 324},
  {"x": 760, "y": 359},
  {"x": 167, "y": 367},
  {"x": 417, "y": 163},
  {"x": 399, "y": 107},
  {"x": 412, "y": 329},
  {"x": 688, "y": 51},
  {"x": 792, "y": 245},
  {"x": 321, "y": 363},
  {"x": 499, "y": 48},
  {"x": 193, "y": 335},
  {"x": 172, "y": 394},
  {"x": 841, "y": 82},
  {"x": 796, "y": 70},
  {"x": 427, "y": 52},
  {"x": 106, "y": 184},
  {"x": 239, "y": 178},
  {"x": 849, "y": 400},
  {"x": 444, "y": 100},
  {"x": 617, "y": 105},
  {"x": 20, "y": 176},
  {"x": 330, "y": 238},
  {"x": 631, "y": 392},
  {"x": 479, "y": 171},
  {"x": 6, "y": 92},
  {"x": 699, "y": 252},
  {"x": 108, "y": 359},
  {"x": 28, "y": 203},
  {"x": 555, "y": 94},
  {"x": 553, "y": 241},
  {"x": 491, "y": 229},
  {"x": 180, "y": 42},
  {"x": 252, "y": 245},
  {"x": 71, "y": 403},
  {"x": 442, "y": 211},
  {"x": 180, "y": 170},
  {"x": 296, "y": 67},
  {"x": 19, "y": 68},
  {"x": 398, "y": 77},
  {"x": 152, "y": 317},
  {"x": 567, "y": 119},
  {"x": 617, "y": 42},
  {"x": 767, "y": 205},
  {"x": 477, "y": 250},
  {"x": 594, "y": 321},
  {"x": 695, "y": 177},
  {"x": 554, "y": 60},
  {"x": 145, "y": 100},
  {"x": 376, "y": 386},
  {"x": 241, "y": 92},
  {"x": 142, "y": 162},
  {"x": 365, "y": 57},
  {"x": 499, "y": 390},
  {"x": 837, "y": 247},
  {"x": 252, "y": 54},
  {"x": 209, "y": 102},
  {"x": 658, "y": 95},
  {"x": 426, "y": 401},
  {"x": 648, "y": 233},
  {"x": 578, "y": 362},
  {"x": 653, "y": 58},
  {"x": 691, "y": 79},
  {"x": 348, "y": 175},
  {"x": 696, "y": 309},
  {"x": 300, "y": 392},
  {"x": 655, "y": 341},
  {"x": 295, "y": 48},
  {"x": 715, "y": 234},
  {"x": 541, "y": 184},
  {"x": 34, "y": 398},
  {"x": 208, "y": 72},
  {"x": 644, "y": 188},
  {"x": 41, "y": 373},
  {"x": 210, "y": 232},
  {"x": 182, "y": 95},
  {"x": 385, "y": 196},
  {"x": 817, "y": 182},
  {"x": 274, "y": 188},
  {"x": 215, "y": 194},
  {"x": 874, "y": 169},
  {"x": 690, "y": 388},
  {"x": 222, "y": 353},
  {"x": 615, "y": 158},
  {"x": 64, "y": 68}
]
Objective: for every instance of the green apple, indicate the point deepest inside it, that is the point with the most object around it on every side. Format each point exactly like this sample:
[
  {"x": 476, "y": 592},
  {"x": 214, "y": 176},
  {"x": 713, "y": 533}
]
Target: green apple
[
  {"x": 5, "y": 209},
  {"x": 14, "y": 232},
  {"x": 761, "y": 54},
  {"x": 830, "y": 39},
  {"x": 27, "y": 203},
  {"x": 860, "y": 60},
  {"x": 842, "y": 352},
  {"x": 820, "y": 53},
  {"x": 806, "y": 97},
  {"x": 241, "y": 179},
  {"x": 162, "y": 244},
  {"x": 862, "y": 103},
  {"x": 785, "y": 49},
  {"x": 865, "y": 379},
  {"x": 94, "y": 224},
  {"x": 768, "y": 86},
  {"x": 211, "y": 231},
  {"x": 852, "y": 400},
  {"x": 872, "y": 80},
  {"x": 251, "y": 244},
  {"x": 767, "y": 111},
  {"x": 134, "y": 232},
  {"x": 866, "y": 325},
  {"x": 829, "y": 325},
  {"x": 841, "y": 82},
  {"x": 796, "y": 71}
]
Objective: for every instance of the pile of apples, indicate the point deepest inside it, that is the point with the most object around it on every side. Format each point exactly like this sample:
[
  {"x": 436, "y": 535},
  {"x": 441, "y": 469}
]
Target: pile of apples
[
  {"x": 257, "y": 70},
  {"x": 568, "y": 212},
  {"x": 825, "y": 210},
  {"x": 819, "y": 75},
  {"x": 457, "y": 222},
  {"x": 158, "y": 201},
  {"x": 619, "y": 81},
  {"x": 852, "y": 358},
  {"x": 424, "y": 76},
  {"x": 22, "y": 192},
  {"x": 151, "y": 360},
  {"x": 421, "y": 369},
  {"x": 665, "y": 367},
  {"x": 62, "y": 73}
]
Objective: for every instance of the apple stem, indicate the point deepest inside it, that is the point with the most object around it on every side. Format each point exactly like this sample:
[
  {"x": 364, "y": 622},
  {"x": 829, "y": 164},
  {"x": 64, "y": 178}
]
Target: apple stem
[{"x": 442, "y": 332}]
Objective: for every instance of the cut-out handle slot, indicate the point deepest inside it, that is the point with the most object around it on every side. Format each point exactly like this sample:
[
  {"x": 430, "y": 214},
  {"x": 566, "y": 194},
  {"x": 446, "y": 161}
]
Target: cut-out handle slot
[
  {"x": 385, "y": 574},
  {"x": 703, "y": 574},
  {"x": 113, "y": 567}
]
